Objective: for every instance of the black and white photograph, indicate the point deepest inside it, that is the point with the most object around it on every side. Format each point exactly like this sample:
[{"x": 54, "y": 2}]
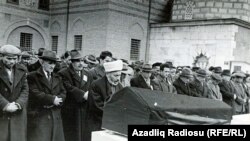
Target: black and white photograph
[{"x": 88, "y": 70}]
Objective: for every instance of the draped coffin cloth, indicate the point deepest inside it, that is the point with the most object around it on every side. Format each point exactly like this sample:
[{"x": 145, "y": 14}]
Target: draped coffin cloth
[{"x": 135, "y": 106}]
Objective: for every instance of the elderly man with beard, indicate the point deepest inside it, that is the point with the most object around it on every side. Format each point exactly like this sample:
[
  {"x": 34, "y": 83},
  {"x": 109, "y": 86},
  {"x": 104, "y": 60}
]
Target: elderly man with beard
[
  {"x": 13, "y": 96},
  {"x": 101, "y": 91},
  {"x": 46, "y": 97},
  {"x": 77, "y": 82}
]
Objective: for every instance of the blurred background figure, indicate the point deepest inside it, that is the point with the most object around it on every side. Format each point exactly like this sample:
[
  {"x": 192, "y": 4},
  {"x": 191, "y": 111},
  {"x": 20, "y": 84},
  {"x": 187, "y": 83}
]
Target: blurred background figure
[
  {"x": 127, "y": 74},
  {"x": 37, "y": 64},
  {"x": 25, "y": 59},
  {"x": 91, "y": 61},
  {"x": 65, "y": 60}
]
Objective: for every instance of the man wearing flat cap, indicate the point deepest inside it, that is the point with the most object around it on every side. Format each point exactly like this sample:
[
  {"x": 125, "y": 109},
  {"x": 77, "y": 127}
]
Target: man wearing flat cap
[
  {"x": 241, "y": 100},
  {"x": 199, "y": 87},
  {"x": 182, "y": 83},
  {"x": 227, "y": 89},
  {"x": 13, "y": 96},
  {"x": 214, "y": 87},
  {"x": 46, "y": 97},
  {"x": 101, "y": 91},
  {"x": 77, "y": 83}
]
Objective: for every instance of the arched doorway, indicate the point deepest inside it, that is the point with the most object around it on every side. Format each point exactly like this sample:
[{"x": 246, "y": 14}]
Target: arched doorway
[{"x": 27, "y": 38}]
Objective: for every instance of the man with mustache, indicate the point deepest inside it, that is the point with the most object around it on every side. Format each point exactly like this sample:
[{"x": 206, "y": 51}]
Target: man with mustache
[
  {"x": 101, "y": 91},
  {"x": 13, "y": 96},
  {"x": 77, "y": 82}
]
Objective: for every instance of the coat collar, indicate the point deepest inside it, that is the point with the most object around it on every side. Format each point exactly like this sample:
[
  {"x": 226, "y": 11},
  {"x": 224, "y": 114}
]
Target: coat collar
[
  {"x": 45, "y": 81},
  {"x": 78, "y": 78},
  {"x": 19, "y": 71},
  {"x": 143, "y": 82}
]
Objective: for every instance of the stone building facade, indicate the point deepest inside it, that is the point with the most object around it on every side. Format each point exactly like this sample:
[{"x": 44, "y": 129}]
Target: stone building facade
[
  {"x": 218, "y": 28},
  {"x": 88, "y": 25}
]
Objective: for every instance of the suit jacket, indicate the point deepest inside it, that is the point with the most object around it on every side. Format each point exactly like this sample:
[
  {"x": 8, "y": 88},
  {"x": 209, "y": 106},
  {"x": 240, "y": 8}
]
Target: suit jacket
[
  {"x": 215, "y": 91},
  {"x": 160, "y": 83},
  {"x": 45, "y": 123},
  {"x": 13, "y": 125},
  {"x": 139, "y": 82},
  {"x": 75, "y": 104},
  {"x": 181, "y": 87}
]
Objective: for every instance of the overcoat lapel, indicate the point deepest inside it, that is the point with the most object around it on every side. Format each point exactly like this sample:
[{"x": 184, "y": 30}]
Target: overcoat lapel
[
  {"x": 43, "y": 79},
  {"x": 4, "y": 75}
]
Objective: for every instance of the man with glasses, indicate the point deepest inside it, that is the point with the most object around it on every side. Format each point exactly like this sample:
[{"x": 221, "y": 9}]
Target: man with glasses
[
  {"x": 77, "y": 82},
  {"x": 13, "y": 96},
  {"x": 46, "y": 97}
]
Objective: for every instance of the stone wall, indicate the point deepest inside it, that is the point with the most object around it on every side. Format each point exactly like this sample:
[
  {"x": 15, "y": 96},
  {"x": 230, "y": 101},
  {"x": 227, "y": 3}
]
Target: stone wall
[
  {"x": 181, "y": 42},
  {"x": 210, "y": 9}
]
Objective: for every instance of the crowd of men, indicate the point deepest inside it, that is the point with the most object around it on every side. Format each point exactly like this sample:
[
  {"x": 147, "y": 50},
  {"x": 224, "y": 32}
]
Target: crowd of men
[{"x": 45, "y": 97}]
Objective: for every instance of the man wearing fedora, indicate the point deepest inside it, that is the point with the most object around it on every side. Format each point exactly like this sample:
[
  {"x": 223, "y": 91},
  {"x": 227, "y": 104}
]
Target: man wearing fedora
[
  {"x": 91, "y": 61},
  {"x": 46, "y": 97},
  {"x": 13, "y": 96},
  {"x": 98, "y": 71},
  {"x": 37, "y": 64},
  {"x": 143, "y": 79},
  {"x": 161, "y": 83},
  {"x": 101, "y": 91},
  {"x": 241, "y": 100},
  {"x": 199, "y": 87},
  {"x": 227, "y": 89},
  {"x": 182, "y": 83},
  {"x": 77, "y": 83}
]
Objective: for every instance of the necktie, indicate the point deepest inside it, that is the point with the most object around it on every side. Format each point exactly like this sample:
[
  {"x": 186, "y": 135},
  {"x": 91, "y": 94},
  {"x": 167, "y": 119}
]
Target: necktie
[{"x": 48, "y": 75}]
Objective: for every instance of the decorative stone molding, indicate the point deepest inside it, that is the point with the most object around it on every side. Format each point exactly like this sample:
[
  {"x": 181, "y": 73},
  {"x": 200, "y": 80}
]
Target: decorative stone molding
[
  {"x": 29, "y": 3},
  {"x": 189, "y": 10}
]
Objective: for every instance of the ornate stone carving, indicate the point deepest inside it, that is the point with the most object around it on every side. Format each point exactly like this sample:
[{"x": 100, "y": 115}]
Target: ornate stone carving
[
  {"x": 29, "y": 3},
  {"x": 189, "y": 10}
]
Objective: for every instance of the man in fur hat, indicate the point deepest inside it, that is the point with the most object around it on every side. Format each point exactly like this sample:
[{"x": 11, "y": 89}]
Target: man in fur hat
[{"x": 101, "y": 91}]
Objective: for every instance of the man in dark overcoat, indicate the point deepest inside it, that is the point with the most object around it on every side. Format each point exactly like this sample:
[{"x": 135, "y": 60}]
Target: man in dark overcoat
[
  {"x": 182, "y": 83},
  {"x": 101, "y": 91},
  {"x": 46, "y": 97},
  {"x": 77, "y": 82},
  {"x": 161, "y": 83},
  {"x": 13, "y": 96},
  {"x": 98, "y": 71},
  {"x": 227, "y": 89},
  {"x": 143, "y": 79},
  {"x": 199, "y": 87}
]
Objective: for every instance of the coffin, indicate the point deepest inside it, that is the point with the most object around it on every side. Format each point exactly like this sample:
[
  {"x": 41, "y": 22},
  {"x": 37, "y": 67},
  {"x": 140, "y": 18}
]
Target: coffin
[{"x": 136, "y": 106}]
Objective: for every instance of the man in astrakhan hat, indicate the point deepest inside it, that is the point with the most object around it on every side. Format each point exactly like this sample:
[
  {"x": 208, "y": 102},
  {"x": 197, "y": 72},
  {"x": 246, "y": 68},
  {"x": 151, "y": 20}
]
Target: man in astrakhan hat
[
  {"x": 13, "y": 97},
  {"x": 101, "y": 91}
]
